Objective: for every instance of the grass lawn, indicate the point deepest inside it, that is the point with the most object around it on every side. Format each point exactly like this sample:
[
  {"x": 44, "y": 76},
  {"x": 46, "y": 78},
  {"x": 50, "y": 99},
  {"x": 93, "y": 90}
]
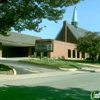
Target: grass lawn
[
  {"x": 55, "y": 63},
  {"x": 42, "y": 93},
  {"x": 4, "y": 67}
]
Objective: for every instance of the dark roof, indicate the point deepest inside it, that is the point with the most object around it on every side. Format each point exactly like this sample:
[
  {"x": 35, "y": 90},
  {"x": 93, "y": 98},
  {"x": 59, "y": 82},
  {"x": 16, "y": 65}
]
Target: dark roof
[
  {"x": 76, "y": 31},
  {"x": 18, "y": 39}
]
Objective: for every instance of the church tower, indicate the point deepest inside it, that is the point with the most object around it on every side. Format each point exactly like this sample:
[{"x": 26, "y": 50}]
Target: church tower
[{"x": 74, "y": 19}]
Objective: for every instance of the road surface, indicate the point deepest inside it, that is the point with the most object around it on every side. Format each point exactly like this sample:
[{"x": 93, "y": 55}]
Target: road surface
[
  {"x": 48, "y": 85},
  {"x": 71, "y": 85},
  {"x": 25, "y": 68}
]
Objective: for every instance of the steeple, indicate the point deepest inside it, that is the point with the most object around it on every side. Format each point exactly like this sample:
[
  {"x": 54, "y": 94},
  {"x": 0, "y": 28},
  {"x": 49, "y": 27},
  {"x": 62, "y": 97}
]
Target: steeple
[{"x": 74, "y": 19}]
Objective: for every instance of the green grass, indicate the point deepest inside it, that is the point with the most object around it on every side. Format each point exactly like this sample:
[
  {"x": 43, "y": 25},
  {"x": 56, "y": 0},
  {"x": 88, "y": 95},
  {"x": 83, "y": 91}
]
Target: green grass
[
  {"x": 55, "y": 63},
  {"x": 10, "y": 92},
  {"x": 4, "y": 67}
]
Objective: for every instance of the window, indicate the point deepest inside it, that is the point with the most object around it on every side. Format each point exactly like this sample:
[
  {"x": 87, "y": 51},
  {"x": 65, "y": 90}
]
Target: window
[
  {"x": 45, "y": 54},
  {"x": 78, "y": 54},
  {"x": 73, "y": 53},
  {"x": 69, "y": 53}
]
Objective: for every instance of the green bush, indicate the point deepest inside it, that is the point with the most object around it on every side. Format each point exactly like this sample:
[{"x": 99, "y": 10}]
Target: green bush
[{"x": 4, "y": 67}]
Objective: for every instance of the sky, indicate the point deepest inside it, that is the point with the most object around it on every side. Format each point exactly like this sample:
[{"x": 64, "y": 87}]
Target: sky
[{"x": 88, "y": 15}]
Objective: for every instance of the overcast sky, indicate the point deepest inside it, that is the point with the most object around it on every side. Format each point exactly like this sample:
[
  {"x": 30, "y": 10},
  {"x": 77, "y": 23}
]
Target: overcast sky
[{"x": 88, "y": 12}]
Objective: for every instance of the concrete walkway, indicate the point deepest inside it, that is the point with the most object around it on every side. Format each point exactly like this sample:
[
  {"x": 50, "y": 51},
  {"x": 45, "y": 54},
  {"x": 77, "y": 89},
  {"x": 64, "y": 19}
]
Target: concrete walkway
[{"x": 91, "y": 67}]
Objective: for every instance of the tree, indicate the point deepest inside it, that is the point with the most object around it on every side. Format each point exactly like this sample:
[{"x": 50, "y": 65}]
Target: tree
[
  {"x": 28, "y": 14},
  {"x": 90, "y": 44}
]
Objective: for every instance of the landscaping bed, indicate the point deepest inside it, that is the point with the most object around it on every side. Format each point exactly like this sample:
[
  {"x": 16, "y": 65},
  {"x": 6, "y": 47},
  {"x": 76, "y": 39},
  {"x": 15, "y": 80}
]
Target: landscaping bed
[
  {"x": 54, "y": 63},
  {"x": 5, "y": 67}
]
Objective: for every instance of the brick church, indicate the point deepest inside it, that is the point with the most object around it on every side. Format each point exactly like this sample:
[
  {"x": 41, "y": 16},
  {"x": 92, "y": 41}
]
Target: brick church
[
  {"x": 64, "y": 45},
  {"x": 65, "y": 41}
]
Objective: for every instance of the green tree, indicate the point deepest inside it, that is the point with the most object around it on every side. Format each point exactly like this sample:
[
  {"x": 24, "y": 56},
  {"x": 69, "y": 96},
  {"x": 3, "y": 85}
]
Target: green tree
[
  {"x": 90, "y": 44},
  {"x": 28, "y": 14}
]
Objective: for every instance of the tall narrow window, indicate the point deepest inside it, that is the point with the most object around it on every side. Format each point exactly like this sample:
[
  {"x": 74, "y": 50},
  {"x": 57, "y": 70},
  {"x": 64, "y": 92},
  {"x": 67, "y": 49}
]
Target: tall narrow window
[
  {"x": 73, "y": 53},
  {"x": 78, "y": 54},
  {"x": 45, "y": 54},
  {"x": 69, "y": 53}
]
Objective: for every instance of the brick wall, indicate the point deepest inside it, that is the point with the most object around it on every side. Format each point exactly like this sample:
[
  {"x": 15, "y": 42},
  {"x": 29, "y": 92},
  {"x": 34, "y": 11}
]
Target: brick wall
[{"x": 61, "y": 49}]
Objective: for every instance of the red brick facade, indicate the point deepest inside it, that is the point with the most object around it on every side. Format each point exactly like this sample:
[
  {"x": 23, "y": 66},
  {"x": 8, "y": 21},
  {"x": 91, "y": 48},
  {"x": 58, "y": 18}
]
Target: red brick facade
[
  {"x": 64, "y": 44},
  {"x": 66, "y": 50}
]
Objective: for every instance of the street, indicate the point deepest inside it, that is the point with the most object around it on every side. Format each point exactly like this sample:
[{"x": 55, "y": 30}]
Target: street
[
  {"x": 50, "y": 85},
  {"x": 71, "y": 85}
]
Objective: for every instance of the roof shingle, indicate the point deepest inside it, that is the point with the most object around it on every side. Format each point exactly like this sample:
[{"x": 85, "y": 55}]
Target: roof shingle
[
  {"x": 18, "y": 39},
  {"x": 76, "y": 31}
]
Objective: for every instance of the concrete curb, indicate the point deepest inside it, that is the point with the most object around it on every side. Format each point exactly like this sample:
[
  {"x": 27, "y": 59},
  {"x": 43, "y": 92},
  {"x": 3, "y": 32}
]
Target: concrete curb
[
  {"x": 83, "y": 69},
  {"x": 90, "y": 70},
  {"x": 14, "y": 71},
  {"x": 9, "y": 72},
  {"x": 66, "y": 69}
]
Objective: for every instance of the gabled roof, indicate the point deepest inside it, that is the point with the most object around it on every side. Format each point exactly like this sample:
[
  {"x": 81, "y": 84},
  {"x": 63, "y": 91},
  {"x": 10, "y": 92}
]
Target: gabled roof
[
  {"x": 76, "y": 31},
  {"x": 18, "y": 39}
]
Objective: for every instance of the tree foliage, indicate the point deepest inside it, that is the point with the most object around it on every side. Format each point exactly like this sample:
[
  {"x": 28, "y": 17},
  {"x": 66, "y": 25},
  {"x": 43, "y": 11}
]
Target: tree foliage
[
  {"x": 90, "y": 44},
  {"x": 28, "y": 14}
]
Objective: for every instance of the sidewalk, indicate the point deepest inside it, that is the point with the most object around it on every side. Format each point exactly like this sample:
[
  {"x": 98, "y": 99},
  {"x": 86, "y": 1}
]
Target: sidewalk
[{"x": 91, "y": 67}]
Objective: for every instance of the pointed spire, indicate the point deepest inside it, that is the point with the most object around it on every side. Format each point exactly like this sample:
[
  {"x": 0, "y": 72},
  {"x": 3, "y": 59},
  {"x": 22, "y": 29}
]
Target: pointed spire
[{"x": 74, "y": 19}]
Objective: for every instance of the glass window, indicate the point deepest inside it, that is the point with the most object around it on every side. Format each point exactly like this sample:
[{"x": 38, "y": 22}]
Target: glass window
[{"x": 69, "y": 53}]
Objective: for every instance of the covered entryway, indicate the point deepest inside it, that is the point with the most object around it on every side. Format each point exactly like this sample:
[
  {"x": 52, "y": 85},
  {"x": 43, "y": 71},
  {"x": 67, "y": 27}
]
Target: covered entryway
[
  {"x": 14, "y": 52},
  {"x": 17, "y": 45},
  {"x": 17, "y": 51}
]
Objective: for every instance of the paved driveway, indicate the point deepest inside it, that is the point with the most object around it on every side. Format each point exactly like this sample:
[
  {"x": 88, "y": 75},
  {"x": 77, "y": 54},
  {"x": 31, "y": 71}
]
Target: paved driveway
[{"x": 24, "y": 68}]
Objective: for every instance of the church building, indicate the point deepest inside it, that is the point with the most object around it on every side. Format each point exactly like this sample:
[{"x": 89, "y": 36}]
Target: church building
[
  {"x": 65, "y": 41},
  {"x": 64, "y": 45}
]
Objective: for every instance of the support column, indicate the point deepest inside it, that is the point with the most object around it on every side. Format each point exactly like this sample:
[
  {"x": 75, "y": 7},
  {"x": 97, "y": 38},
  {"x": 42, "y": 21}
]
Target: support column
[
  {"x": 41, "y": 55},
  {"x": 0, "y": 50},
  {"x": 48, "y": 54},
  {"x": 80, "y": 53},
  {"x": 29, "y": 52},
  {"x": 75, "y": 53},
  {"x": 87, "y": 55}
]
